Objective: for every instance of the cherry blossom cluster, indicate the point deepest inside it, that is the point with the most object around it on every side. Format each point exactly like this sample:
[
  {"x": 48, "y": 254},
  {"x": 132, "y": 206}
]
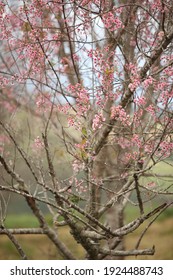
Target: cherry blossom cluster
[
  {"x": 169, "y": 70},
  {"x": 165, "y": 149},
  {"x": 152, "y": 110},
  {"x": 134, "y": 75},
  {"x": 43, "y": 102},
  {"x": 38, "y": 144},
  {"x": 151, "y": 184},
  {"x": 81, "y": 96},
  {"x": 112, "y": 22},
  {"x": 78, "y": 186},
  {"x": 133, "y": 156},
  {"x": 5, "y": 31},
  {"x": 98, "y": 121},
  {"x": 124, "y": 142},
  {"x": 137, "y": 117},
  {"x": 148, "y": 81},
  {"x": 166, "y": 97},
  {"x": 104, "y": 65},
  {"x": 140, "y": 101},
  {"x": 79, "y": 92},
  {"x": 136, "y": 141},
  {"x": 117, "y": 112},
  {"x": 156, "y": 5},
  {"x": 78, "y": 166}
]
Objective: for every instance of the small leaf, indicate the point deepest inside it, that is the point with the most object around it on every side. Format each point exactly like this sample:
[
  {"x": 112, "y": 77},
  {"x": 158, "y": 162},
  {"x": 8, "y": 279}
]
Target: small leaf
[{"x": 84, "y": 131}]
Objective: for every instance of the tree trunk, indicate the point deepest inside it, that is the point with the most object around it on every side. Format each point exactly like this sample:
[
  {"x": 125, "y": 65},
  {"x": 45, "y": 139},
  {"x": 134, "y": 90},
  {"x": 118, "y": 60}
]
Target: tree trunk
[{"x": 108, "y": 163}]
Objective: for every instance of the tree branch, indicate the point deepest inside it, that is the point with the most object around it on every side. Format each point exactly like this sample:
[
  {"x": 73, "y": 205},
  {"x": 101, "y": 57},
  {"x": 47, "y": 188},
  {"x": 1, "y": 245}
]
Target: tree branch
[
  {"x": 14, "y": 241},
  {"x": 128, "y": 253}
]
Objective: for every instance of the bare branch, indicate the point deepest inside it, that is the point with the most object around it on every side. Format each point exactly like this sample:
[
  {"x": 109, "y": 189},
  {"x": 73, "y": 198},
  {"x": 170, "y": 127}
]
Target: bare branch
[{"x": 14, "y": 241}]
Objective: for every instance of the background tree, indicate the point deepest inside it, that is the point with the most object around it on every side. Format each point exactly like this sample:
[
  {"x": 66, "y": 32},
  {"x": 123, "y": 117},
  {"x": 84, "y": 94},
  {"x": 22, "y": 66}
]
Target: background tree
[{"x": 97, "y": 76}]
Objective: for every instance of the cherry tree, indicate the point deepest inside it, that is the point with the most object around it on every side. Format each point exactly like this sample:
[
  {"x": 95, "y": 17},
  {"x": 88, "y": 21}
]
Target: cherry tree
[{"x": 97, "y": 76}]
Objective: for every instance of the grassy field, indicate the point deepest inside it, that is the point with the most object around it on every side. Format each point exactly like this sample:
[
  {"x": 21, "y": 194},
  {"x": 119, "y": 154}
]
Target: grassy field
[{"x": 40, "y": 247}]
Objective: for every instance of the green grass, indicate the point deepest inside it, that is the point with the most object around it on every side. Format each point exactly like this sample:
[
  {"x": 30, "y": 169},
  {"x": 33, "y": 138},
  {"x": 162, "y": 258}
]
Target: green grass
[
  {"x": 24, "y": 221},
  {"x": 21, "y": 221}
]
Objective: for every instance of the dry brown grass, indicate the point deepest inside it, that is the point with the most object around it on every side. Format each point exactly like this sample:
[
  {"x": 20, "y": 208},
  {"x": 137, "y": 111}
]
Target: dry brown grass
[{"x": 159, "y": 234}]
